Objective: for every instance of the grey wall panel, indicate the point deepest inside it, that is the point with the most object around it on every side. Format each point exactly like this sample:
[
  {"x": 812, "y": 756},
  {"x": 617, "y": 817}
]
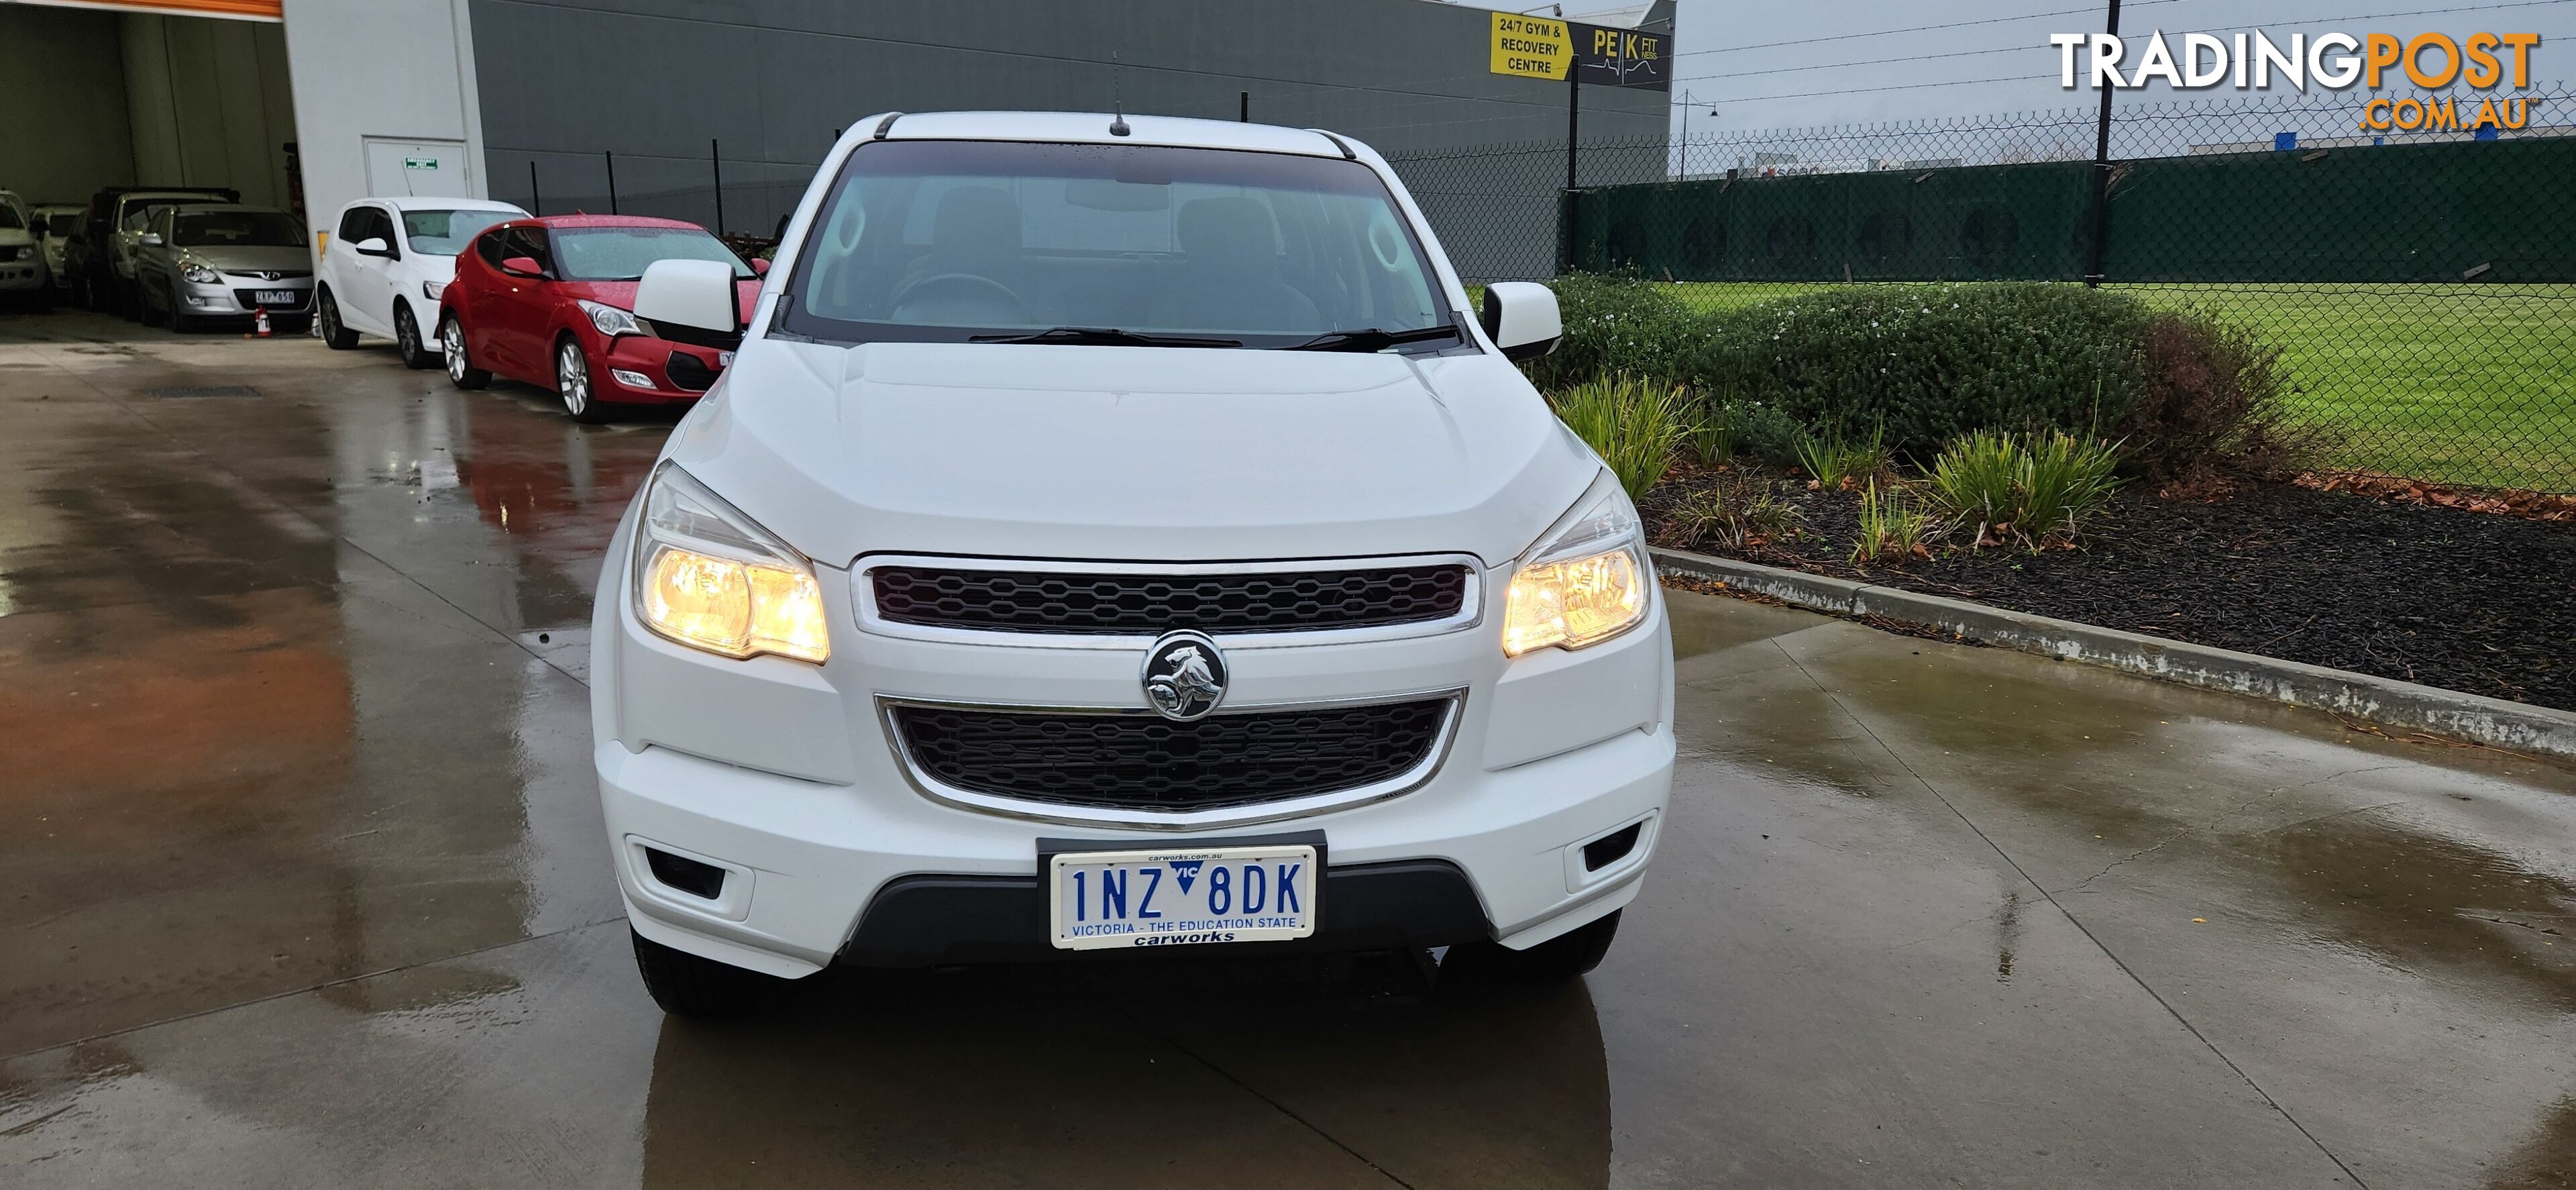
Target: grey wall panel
[{"x": 654, "y": 80}]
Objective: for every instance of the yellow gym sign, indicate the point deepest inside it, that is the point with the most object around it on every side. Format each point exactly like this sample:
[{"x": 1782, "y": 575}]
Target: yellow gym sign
[{"x": 1532, "y": 47}]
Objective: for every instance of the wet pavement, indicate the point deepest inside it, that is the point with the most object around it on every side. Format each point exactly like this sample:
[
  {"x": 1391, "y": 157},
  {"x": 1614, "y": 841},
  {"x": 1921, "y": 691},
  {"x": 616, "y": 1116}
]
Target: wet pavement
[{"x": 306, "y": 887}]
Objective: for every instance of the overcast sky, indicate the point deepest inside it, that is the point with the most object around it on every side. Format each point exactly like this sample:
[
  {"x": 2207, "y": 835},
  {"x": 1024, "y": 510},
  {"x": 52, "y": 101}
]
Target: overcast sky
[{"x": 1994, "y": 55}]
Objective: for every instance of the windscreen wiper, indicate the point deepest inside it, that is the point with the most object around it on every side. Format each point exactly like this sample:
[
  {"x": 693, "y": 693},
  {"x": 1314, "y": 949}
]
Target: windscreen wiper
[
  {"x": 1105, "y": 336},
  {"x": 1372, "y": 339}
]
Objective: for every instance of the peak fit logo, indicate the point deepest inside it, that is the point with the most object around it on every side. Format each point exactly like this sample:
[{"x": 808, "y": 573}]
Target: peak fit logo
[{"x": 2329, "y": 61}]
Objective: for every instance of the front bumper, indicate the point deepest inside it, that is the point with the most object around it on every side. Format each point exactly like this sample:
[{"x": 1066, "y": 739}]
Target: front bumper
[
  {"x": 781, "y": 774},
  {"x": 240, "y": 297},
  {"x": 23, "y": 276},
  {"x": 655, "y": 362}
]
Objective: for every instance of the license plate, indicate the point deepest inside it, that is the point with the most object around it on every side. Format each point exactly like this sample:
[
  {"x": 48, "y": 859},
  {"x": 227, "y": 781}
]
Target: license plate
[
  {"x": 280, "y": 297},
  {"x": 724, "y": 359},
  {"x": 1181, "y": 897}
]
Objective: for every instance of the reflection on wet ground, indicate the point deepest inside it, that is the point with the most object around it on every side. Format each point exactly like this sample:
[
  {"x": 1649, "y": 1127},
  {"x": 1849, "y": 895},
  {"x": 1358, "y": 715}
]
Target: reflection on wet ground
[{"x": 307, "y": 889}]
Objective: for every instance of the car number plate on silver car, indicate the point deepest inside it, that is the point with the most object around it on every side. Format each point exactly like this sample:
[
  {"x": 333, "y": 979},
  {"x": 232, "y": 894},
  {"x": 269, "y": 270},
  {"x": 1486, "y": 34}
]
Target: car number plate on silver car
[
  {"x": 1181, "y": 897},
  {"x": 280, "y": 297}
]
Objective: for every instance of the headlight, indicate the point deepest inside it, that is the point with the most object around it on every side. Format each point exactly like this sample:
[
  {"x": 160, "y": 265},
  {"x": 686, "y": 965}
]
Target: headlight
[
  {"x": 198, "y": 274},
  {"x": 1586, "y": 581},
  {"x": 707, "y": 577},
  {"x": 610, "y": 320},
  {"x": 431, "y": 290}
]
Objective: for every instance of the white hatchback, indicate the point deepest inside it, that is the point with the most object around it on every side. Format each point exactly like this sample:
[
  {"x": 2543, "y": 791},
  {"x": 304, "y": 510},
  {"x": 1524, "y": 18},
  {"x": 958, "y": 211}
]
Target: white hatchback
[
  {"x": 1115, "y": 534},
  {"x": 386, "y": 262}
]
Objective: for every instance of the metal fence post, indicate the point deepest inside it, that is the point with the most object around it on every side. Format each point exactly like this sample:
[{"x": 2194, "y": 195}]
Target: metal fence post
[
  {"x": 1573, "y": 117},
  {"x": 2101, "y": 176},
  {"x": 715, "y": 159}
]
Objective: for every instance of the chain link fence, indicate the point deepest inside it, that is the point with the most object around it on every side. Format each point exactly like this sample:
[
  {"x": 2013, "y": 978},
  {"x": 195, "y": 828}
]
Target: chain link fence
[{"x": 2420, "y": 283}]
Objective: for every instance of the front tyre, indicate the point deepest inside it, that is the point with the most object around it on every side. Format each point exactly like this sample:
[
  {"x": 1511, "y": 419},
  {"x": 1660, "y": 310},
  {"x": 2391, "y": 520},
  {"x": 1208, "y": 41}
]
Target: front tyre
[
  {"x": 572, "y": 383},
  {"x": 1564, "y": 957},
  {"x": 686, "y": 985},
  {"x": 335, "y": 335},
  {"x": 460, "y": 372},
  {"x": 407, "y": 339}
]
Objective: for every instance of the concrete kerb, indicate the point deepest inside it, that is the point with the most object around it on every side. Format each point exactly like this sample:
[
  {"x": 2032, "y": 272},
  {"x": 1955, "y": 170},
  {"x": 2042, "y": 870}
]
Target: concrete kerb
[{"x": 2512, "y": 726}]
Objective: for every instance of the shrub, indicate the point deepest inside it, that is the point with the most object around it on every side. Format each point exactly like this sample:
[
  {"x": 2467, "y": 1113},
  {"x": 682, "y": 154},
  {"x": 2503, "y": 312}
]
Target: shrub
[
  {"x": 1633, "y": 424},
  {"x": 1927, "y": 363},
  {"x": 2036, "y": 489},
  {"x": 2210, "y": 400},
  {"x": 1618, "y": 324},
  {"x": 1836, "y": 461},
  {"x": 1711, "y": 436},
  {"x": 1750, "y": 518},
  {"x": 1765, "y": 432},
  {"x": 1892, "y": 524}
]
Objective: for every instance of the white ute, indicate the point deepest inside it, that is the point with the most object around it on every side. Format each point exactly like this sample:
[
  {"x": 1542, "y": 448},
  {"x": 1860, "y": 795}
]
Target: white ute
[{"x": 1113, "y": 533}]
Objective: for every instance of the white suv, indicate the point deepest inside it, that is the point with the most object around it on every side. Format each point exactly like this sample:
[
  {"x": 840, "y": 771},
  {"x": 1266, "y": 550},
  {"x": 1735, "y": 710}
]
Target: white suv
[{"x": 1113, "y": 534}]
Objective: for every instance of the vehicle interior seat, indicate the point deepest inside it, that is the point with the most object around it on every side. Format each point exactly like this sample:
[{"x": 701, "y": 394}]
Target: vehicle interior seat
[
  {"x": 1229, "y": 274},
  {"x": 976, "y": 232}
]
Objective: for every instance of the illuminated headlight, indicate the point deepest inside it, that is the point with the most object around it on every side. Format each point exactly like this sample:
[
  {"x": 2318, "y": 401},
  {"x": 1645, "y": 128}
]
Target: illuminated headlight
[
  {"x": 198, "y": 274},
  {"x": 431, "y": 290},
  {"x": 610, "y": 320},
  {"x": 707, "y": 577},
  {"x": 1586, "y": 581}
]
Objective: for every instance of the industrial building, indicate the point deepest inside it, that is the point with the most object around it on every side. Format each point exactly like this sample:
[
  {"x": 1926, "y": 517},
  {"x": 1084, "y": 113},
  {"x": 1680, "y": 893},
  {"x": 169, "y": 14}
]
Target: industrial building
[{"x": 712, "y": 113}]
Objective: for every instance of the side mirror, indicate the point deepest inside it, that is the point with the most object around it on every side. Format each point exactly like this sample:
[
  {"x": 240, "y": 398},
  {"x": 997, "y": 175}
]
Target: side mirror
[
  {"x": 1521, "y": 318},
  {"x": 376, "y": 246},
  {"x": 689, "y": 296},
  {"x": 760, "y": 265},
  {"x": 523, "y": 266},
  {"x": 150, "y": 239}
]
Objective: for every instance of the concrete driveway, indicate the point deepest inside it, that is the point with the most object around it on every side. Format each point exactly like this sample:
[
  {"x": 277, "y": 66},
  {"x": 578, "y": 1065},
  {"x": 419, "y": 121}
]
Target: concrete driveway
[{"x": 306, "y": 887}]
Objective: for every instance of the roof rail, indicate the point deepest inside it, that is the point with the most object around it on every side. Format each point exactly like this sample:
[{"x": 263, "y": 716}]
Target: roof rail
[{"x": 886, "y": 125}]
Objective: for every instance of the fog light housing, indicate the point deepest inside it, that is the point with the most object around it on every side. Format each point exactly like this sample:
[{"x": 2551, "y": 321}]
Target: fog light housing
[{"x": 631, "y": 379}]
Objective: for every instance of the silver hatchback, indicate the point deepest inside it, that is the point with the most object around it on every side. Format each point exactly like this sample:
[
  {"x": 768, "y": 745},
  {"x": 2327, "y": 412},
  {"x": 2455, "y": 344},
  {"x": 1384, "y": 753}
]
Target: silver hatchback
[{"x": 207, "y": 261}]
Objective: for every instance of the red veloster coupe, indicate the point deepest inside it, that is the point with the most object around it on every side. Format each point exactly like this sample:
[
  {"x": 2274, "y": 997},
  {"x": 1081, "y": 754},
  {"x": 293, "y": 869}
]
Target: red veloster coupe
[{"x": 550, "y": 302}]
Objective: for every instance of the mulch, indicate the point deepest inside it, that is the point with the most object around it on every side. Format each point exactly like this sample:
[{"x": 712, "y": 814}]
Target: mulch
[{"x": 2441, "y": 594}]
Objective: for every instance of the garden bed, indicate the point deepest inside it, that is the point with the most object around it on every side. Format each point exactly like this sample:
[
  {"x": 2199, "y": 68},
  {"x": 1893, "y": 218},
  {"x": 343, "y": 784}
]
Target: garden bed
[{"x": 2464, "y": 600}]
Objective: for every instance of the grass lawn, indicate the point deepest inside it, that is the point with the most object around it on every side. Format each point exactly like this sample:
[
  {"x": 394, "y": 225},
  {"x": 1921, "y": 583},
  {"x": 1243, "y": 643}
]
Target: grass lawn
[{"x": 2467, "y": 384}]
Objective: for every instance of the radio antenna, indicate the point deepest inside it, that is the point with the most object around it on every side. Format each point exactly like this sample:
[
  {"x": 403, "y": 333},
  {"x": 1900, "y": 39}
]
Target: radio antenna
[{"x": 1117, "y": 95}]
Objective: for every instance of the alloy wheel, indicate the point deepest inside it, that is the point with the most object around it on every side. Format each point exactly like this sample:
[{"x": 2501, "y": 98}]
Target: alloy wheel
[
  {"x": 452, "y": 337},
  {"x": 572, "y": 378}
]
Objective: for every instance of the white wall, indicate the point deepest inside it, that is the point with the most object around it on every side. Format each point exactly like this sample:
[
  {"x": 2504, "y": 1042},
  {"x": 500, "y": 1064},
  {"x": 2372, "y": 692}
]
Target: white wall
[{"x": 400, "y": 69}]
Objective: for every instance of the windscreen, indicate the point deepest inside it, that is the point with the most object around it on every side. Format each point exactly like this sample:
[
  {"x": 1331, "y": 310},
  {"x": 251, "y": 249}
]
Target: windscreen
[
  {"x": 236, "y": 229},
  {"x": 955, "y": 240},
  {"x": 9, "y": 218},
  {"x": 622, "y": 253},
  {"x": 445, "y": 233},
  {"x": 63, "y": 223}
]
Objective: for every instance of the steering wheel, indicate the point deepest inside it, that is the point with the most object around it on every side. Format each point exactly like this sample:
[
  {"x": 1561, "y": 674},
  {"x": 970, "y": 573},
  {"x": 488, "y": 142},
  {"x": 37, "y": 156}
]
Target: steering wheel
[{"x": 964, "y": 285}]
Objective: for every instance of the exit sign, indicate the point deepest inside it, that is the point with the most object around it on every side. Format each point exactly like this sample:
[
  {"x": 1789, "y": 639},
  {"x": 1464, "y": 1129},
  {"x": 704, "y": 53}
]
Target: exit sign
[{"x": 420, "y": 163}]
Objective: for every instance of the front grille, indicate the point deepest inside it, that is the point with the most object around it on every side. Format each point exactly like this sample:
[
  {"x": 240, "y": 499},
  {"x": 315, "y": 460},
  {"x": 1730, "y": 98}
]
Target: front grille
[
  {"x": 1150, "y": 604},
  {"x": 1137, "y": 762},
  {"x": 249, "y": 299}
]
